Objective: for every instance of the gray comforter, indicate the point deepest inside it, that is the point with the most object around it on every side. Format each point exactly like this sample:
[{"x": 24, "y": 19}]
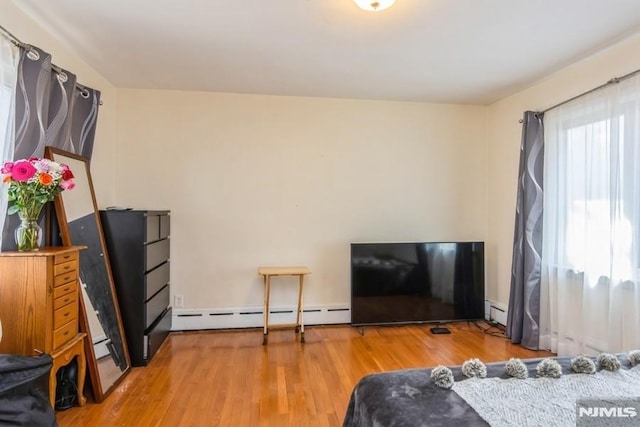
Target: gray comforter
[{"x": 409, "y": 398}]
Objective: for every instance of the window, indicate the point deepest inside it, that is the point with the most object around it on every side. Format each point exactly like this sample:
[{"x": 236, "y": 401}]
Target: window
[
  {"x": 590, "y": 280},
  {"x": 592, "y": 185},
  {"x": 8, "y": 74}
]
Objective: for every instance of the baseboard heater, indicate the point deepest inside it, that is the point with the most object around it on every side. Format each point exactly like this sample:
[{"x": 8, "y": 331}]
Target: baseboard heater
[
  {"x": 495, "y": 312},
  {"x": 250, "y": 317}
]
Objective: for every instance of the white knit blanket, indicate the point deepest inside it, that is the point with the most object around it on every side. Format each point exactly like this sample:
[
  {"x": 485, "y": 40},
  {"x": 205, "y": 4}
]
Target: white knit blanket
[{"x": 537, "y": 402}]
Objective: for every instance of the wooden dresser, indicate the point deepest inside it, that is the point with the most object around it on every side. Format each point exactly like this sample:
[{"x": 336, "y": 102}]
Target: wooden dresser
[
  {"x": 138, "y": 242},
  {"x": 39, "y": 301}
]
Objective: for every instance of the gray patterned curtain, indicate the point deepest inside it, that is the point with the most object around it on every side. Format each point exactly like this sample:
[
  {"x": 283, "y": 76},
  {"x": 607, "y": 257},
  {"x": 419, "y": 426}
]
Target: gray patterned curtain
[
  {"x": 524, "y": 300},
  {"x": 32, "y": 102},
  {"x": 51, "y": 110}
]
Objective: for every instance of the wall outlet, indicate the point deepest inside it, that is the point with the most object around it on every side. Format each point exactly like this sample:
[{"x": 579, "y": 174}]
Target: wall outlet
[{"x": 178, "y": 301}]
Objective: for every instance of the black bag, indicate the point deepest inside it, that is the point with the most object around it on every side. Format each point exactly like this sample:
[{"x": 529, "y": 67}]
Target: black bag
[
  {"x": 24, "y": 391},
  {"x": 66, "y": 386}
]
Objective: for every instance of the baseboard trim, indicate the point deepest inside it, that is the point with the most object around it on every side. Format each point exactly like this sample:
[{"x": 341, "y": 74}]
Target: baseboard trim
[{"x": 184, "y": 319}]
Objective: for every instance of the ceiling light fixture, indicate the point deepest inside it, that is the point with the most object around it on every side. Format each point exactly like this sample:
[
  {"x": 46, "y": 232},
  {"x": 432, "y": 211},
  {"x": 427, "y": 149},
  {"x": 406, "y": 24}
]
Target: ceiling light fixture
[{"x": 373, "y": 5}]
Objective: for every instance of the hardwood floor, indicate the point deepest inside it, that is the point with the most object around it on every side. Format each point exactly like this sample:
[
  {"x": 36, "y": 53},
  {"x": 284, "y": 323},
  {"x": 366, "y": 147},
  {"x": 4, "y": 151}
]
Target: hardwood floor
[{"x": 228, "y": 378}]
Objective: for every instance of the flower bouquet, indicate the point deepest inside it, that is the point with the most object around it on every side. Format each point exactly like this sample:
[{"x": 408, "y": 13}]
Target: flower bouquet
[{"x": 32, "y": 183}]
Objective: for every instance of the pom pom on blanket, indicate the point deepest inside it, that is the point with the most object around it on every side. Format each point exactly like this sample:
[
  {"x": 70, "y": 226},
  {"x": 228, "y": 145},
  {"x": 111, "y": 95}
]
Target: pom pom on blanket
[
  {"x": 582, "y": 365},
  {"x": 549, "y": 368},
  {"x": 442, "y": 377},
  {"x": 634, "y": 357},
  {"x": 608, "y": 362},
  {"x": 516, "y": 368},
  {"x": 474, "y": 368}
]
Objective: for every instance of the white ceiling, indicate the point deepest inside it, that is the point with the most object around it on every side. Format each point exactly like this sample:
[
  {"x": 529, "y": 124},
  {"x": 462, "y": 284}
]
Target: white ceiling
[{"x": 454, "y": 51}]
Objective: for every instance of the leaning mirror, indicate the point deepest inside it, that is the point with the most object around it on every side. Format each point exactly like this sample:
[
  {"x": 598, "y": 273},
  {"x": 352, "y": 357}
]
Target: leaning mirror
[{"x": 79, "y": 220}]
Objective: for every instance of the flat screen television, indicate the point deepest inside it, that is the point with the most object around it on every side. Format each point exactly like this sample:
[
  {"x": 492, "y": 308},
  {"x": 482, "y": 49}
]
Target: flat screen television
[{"x": 416, "y": 282}]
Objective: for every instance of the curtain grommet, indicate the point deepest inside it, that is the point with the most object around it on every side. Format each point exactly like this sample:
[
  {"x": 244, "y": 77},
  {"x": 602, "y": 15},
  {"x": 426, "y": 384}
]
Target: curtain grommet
[{"x": 33, "y": 54}]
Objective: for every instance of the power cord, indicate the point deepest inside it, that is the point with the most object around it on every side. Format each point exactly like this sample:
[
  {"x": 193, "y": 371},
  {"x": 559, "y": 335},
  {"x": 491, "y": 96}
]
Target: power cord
[{"x": 494, "y": 330}]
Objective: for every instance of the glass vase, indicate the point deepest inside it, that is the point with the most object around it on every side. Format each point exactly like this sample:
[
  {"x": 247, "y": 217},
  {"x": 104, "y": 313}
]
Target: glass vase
[{"x": 28, "y": 234}]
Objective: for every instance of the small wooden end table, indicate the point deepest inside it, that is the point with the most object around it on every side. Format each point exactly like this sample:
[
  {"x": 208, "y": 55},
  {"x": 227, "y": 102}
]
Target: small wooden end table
[
  {"x": 62, "y": 356},
  {"x": 267, "y": 273}
]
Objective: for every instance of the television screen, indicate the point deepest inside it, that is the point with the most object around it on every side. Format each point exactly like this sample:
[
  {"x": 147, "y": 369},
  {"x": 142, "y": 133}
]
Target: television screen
[{"x": 416, "y": 282}]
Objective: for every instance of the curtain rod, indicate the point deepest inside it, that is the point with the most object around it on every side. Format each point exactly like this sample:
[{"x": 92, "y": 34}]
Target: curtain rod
[
  {"x": 13, "y": 39},
  {"x": 16, "y": 41},
  {"x": 613, "y": 81}
]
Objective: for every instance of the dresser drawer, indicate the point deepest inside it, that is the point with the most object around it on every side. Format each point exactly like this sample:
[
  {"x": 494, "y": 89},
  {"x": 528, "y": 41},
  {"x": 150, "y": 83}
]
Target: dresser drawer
[
  {"x": 152, "y": 228},
  {"x": 65, "y": 279},
  {"x": 65, "y": 257},
  {"x": 156, "y": 305},
  {"x": 155, "y": 280},
  {"x": 65, "y": 268},
  {"x": 156, "y": 227},
  {"x": 165, "y": 226},
  {"x": 64, "y": 299},
  {"x": 64, "y": 315},
  {"x": 64, "y": 334},
  {"x": 68, "y": 287},
  {"x": 155, "y": 336},
  {"x": 156, "y": 253}
]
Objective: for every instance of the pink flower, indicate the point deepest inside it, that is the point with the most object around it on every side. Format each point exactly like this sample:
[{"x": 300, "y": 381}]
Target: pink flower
[
  {"x": 6, "y": 168},
  {"x": 67, "y": 174},
  {"x": 42, "y": 165},
  {"x": 67, "y": 185},
  {"x": 22, "y": 171},
  {"x": 33, "y": 182}
]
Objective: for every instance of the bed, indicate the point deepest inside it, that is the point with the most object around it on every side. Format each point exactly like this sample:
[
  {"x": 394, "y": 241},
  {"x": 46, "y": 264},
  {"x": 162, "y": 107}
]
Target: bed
[{"x": 410, "y": 398}]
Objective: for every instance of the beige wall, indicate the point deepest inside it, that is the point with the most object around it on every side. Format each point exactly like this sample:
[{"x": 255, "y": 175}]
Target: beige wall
[
  {"x": 102, "y": 167},
  {"x": 259, "y": 180},
  {"x": 263, "y": 180},
  {"x": 504, "y": 143}
]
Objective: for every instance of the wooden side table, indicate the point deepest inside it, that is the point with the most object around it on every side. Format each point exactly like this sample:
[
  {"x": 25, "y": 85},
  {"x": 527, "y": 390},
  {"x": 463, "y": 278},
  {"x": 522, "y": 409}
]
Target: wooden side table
[
  {"x": 63, "y": 356},
  {"x": 267, "y": 273}
]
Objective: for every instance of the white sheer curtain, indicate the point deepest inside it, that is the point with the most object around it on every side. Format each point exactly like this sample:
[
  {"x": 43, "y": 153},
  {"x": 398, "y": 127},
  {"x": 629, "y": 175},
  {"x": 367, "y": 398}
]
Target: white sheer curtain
[
  {"x": 9, "y": 56},
  {"x": 590, "y": 291}
]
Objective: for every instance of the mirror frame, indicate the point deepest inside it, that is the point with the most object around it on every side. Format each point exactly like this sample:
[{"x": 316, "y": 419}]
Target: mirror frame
[{"x": 59, "y": 155}]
